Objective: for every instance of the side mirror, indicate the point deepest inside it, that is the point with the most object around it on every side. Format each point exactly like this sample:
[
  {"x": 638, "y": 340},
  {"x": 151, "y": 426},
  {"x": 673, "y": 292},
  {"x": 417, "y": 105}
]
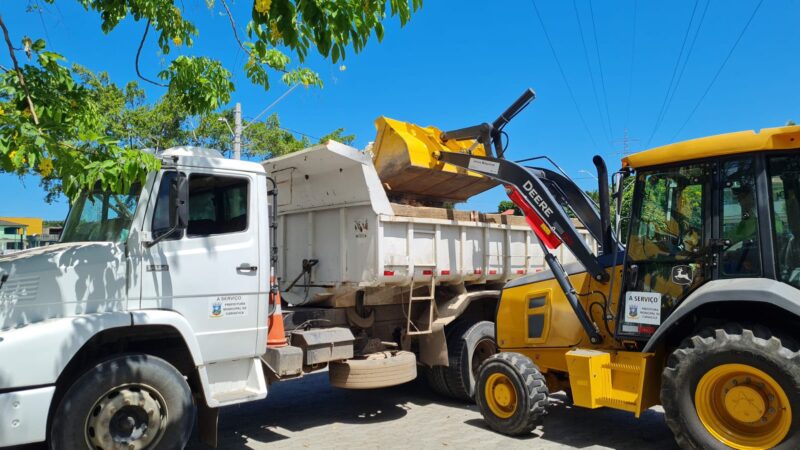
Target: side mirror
[
  {"x": 179, "y": 203},
  {"x": 618, "y": 188}
]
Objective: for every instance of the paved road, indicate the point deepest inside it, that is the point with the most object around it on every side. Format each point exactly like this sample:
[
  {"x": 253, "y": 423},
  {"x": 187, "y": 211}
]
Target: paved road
[{"x": 308, "y": 413}]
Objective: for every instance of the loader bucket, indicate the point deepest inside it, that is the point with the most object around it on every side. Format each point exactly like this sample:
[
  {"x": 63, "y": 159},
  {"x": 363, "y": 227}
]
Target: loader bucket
[{"x": 403, "y": 155}]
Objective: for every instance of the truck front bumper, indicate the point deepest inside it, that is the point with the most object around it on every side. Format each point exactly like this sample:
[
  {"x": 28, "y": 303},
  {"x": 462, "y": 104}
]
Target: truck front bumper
[{"x": 23, "y": 415}]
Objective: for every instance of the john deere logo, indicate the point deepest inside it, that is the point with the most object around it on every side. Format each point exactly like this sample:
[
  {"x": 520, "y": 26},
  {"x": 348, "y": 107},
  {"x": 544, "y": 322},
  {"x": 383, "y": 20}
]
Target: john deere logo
[{"x": 683, "y": 275}]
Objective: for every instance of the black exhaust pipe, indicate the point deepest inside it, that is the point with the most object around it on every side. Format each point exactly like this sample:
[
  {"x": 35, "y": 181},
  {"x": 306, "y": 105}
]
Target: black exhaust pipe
[{"x": 605, "y": 208}]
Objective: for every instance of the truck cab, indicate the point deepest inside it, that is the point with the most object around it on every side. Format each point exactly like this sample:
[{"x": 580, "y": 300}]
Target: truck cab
[{"x": 153, "y": 296}]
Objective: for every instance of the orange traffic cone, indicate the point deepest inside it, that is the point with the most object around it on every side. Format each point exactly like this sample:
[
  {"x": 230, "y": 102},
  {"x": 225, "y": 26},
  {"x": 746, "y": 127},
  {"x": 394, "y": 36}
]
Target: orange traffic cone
[{"x": 277, "y": 334}]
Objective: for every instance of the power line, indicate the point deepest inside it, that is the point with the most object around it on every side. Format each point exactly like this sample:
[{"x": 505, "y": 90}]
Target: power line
[
  {"x": 301, "y": 134},
  {"x": 722, "y": 66},
  {"x": 661, "y": 110},
  {"x": 278, "y": 100},
  {"x": 600, "y": 64},
  {"x": 589, "y": 68},
  {"x": 633, "y": 59},
  {"x": 688, "y": 55},
  {"x": 563, "y": 76}
]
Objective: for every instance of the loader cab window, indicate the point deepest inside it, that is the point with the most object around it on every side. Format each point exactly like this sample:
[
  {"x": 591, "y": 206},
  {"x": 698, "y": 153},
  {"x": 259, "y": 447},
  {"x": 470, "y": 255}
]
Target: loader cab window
[
  {"x": 668, "y": 221},
  {"x": 784, "y": 176},
  {"x": 740, "y": 258},
  {"x": 217, "y": 205}
]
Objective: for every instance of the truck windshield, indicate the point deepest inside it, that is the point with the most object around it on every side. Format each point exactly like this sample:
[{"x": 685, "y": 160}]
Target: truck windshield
[{"x": 101, "y": 216}]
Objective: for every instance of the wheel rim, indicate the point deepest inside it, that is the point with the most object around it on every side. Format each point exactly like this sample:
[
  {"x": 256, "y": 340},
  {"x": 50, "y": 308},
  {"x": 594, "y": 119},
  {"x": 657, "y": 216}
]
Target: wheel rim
[
  {"x": 483, "y": 350},
  {"x": 743, "y": 407},
  {"x": 501, "y": 397},
  {"x": 129, "y": 417}
]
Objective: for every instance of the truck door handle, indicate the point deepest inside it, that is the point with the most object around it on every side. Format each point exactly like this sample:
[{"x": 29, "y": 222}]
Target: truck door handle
[{"x": 245, "y": 267}]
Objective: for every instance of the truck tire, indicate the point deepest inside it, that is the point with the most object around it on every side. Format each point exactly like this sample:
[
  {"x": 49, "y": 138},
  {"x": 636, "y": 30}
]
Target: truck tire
[
  {"x": 134, "y": 401},
  {"x": 468, "y": 346},
  {"x": 511, "y": 393},
  {"x": 377, "y": 370},
  {"x": 733, "y": 387},
  {"x": 435, "y": 376}
]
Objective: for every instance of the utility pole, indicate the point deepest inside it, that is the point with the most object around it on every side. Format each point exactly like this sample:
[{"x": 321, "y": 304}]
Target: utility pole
[
  {"x": 626, "y": 143},
  {"x": 237, "y": 131}
]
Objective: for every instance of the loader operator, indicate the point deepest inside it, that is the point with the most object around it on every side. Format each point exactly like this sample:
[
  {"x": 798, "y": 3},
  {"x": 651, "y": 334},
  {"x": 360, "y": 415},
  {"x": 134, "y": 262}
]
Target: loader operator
[{"x": 740, "y": 258}]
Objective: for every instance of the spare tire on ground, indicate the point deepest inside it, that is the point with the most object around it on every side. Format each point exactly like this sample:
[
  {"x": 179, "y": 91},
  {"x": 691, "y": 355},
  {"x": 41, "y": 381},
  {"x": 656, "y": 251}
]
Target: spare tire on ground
[{"x": 376, "y": 370}]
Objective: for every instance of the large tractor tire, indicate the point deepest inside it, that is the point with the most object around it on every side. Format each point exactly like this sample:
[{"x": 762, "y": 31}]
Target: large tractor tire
[
  {"x": 133, "y": 401},
  {"x": 733, "y": 387},
  {"x": 468, "y": 346},
  {"x": 376, "y": 370},
  {"x": 511, "y": 394}
]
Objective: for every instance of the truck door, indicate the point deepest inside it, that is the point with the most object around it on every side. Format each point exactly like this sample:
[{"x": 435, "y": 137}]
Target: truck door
[{"x": 209, "y": 273}]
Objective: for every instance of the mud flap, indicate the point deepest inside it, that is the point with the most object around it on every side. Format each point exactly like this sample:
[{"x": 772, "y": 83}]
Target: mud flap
[
  {"x": 433, "y": 349},
  {"x": 207, "y": 421}
]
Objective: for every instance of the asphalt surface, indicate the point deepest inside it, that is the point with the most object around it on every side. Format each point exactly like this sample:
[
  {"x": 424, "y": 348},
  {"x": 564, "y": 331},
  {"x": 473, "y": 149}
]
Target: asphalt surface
[{"x": 309, "y": 413}]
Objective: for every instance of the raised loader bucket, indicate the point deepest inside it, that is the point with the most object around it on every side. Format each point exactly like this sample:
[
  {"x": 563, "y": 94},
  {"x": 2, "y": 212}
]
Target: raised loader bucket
[{"x": 403, "y": 156}]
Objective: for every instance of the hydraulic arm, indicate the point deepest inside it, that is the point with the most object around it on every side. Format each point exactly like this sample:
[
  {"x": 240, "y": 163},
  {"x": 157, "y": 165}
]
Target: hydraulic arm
[{"x": 541, "y": 194}]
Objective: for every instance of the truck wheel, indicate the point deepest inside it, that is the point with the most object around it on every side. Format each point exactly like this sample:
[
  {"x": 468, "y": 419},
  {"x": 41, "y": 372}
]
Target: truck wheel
[
  {"x": 377, "y": 370},
  {"x": 511, "y": 393},
  {"x": 468, "y": 346},
  {"x": 733, "y": 387},
  {"x": 435, "y": 376},
  {"x": 132, "y": 402}
]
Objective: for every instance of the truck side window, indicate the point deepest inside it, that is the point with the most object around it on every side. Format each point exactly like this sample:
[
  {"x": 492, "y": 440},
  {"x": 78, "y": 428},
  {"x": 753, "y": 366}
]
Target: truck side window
[
  {"x": 739, "y": 220},
  {"x": 784, "y": 176},
  {"x": 217, "y": 204},
  {"x": 161, "y": 215}
]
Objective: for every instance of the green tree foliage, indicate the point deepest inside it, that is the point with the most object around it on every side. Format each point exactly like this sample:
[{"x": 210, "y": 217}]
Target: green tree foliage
[
  {"x": 76, "y": 129},
  {"x": 505, "y": 205}
]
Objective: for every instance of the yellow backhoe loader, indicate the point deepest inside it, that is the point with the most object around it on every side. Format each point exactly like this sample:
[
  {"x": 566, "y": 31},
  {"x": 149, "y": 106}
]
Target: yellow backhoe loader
[{"x": 694, "y": 307}]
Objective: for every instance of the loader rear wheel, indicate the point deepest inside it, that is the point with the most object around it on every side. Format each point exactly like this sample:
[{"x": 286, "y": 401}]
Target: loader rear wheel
[
  {"x": 733, "y": 387},
  {"x": 468, "y": 346},
  {"x": 511, "y": 393},
  {"x": 376, "y": 370}
]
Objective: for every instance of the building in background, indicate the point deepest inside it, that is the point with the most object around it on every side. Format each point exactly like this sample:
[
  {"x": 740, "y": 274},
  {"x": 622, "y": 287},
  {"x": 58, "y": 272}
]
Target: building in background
[
  {"x": 19, "y": 233},
  {"x": 13, "y": 236}
]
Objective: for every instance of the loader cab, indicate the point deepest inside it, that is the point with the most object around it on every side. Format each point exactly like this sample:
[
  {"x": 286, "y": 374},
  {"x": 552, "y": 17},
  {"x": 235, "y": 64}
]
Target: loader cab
[{"x": 720, "y": 217}]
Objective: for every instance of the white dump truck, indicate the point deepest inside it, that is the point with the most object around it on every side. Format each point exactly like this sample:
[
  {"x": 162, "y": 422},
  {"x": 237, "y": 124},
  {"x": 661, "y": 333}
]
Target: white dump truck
[{"x": 161, "y": 305}]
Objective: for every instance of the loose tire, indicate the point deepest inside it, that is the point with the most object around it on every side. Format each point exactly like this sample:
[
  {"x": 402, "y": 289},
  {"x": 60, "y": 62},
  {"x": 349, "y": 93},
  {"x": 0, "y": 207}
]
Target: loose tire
[
  {"x": 733, "y": 387},
  {"x": 132, "y": 401},
  {"x": 468, "y": 346},
  {"x": 511, "y": 394},
  {"x": 376, "y": 370}
]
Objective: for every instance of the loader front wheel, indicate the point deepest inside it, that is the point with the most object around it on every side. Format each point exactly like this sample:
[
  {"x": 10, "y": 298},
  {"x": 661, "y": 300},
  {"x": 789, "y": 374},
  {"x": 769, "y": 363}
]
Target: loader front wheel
[
  {"x": 733, "y": 387},
  {"x": 511, "y": 393}
]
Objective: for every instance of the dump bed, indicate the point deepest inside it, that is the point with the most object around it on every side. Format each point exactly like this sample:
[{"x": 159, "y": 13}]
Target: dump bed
[{"x": 332, "y": 208}]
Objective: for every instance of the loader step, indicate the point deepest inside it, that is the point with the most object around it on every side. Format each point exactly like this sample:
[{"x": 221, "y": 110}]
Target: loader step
[{"x": 610, "y": 379}]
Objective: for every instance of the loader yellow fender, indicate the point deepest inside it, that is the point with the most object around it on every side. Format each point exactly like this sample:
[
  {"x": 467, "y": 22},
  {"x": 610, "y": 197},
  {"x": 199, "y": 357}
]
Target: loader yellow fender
[
  {"x": 743, "y": 407},
  {"x": 501, "y": 397}
]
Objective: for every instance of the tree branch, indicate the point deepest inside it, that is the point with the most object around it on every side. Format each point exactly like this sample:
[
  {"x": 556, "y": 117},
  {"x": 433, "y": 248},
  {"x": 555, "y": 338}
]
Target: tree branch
[
  {"x": 139, "y": 52},
  {"x": 19, "y": 72},
  {"x": 233, "y": 25}
]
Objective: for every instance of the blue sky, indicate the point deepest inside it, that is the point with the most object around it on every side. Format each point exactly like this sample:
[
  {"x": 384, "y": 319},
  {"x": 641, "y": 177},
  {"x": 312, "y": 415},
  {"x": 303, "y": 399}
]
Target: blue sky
[{"x": 462, "y": 62}]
